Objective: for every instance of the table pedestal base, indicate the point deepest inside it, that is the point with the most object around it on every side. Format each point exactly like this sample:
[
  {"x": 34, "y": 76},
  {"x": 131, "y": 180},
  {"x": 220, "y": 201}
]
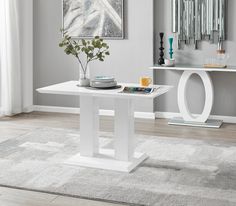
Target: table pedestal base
[
  {"x": 208, "y": 124},
  {"x": 105, "y": 160}
]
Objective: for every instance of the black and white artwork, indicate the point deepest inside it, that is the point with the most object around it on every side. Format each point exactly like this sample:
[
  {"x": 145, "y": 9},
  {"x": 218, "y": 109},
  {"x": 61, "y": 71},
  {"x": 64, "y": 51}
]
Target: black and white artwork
[{"x": 90, "y": 18}]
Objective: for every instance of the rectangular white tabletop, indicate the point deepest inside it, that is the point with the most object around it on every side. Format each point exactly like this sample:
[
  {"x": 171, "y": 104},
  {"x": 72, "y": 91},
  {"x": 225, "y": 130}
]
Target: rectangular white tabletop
[
  {"x": 71, "y": 88},
  {"x": 192, "y": 67}
]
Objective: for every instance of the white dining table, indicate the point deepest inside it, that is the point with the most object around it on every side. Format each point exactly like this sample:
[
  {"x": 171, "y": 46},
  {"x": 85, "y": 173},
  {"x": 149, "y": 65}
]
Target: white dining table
[{"x": 123, "y": 157}]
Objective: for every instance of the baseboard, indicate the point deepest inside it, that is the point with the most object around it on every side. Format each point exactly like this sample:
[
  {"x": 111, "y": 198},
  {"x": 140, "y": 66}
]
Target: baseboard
[
  {"x": 72, "y": 110},
  {"x": 68, "y": 110},
  {"x": 28, "y": 109},
  {"x": 169, "y": 115},
  {"x": 141, "y": 115}
]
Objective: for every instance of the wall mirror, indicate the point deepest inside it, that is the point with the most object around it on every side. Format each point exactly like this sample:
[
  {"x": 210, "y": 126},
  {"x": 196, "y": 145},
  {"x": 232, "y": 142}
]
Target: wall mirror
[{"x": 197, "y": 20}]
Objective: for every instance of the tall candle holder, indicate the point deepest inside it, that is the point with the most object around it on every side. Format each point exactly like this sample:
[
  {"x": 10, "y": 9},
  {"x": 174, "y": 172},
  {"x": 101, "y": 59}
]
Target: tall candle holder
[
  {"x": 171, "y": 47},
  {"x": 161, "y": 59}
]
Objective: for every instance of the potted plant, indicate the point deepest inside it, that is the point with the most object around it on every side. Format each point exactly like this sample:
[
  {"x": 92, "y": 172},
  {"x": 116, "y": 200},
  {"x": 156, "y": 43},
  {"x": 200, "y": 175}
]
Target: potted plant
[{"x": 89, "y": 50}]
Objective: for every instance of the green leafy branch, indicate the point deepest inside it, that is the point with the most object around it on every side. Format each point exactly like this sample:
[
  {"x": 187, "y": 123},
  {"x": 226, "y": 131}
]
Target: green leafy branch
[{"x": 94, "y": 49}]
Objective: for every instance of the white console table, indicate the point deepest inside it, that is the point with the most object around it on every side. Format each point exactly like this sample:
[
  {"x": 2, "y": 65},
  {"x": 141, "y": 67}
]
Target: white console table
[
  {"x": 123, "y": 157},
  {"x": 187, "y": 118}
]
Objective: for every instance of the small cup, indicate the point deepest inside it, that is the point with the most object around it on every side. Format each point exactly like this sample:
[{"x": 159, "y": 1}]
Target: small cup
[
  {"x": 145, "y": 81},
  {"x": 169, "y": 62}
]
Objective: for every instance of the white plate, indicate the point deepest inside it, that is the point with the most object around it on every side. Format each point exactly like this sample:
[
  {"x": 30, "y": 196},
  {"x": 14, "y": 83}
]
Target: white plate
[
  {"x": 104, "y": 79},
  {"x": 103, "y": 84}
]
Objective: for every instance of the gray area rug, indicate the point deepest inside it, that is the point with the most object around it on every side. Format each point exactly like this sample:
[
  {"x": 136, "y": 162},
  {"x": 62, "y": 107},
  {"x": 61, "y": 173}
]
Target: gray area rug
[{"x": 179, "y": 172}]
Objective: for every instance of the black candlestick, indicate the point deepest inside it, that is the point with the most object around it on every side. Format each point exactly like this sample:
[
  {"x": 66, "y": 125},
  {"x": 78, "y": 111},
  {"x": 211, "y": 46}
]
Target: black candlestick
[{"x": 161, "y": 59}]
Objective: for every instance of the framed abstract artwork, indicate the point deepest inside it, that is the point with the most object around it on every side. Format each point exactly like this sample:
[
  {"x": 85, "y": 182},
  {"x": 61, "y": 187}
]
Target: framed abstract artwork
[{"x": 90, "y": 18}]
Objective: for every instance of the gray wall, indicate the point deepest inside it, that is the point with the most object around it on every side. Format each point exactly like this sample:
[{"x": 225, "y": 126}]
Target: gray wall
[
  {"x": 129, "y": 58},
  {"x": 26, "y": 37},
  {"x": 224, "y": 83}
]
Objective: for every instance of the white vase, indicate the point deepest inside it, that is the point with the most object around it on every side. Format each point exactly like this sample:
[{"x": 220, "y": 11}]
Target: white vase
[{"x": 84, "y": 80}]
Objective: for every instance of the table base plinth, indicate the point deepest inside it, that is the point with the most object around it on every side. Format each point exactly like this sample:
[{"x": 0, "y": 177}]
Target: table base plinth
[
  {"x": 210, "y": 123},
  {"x": 105, "y": 160}
]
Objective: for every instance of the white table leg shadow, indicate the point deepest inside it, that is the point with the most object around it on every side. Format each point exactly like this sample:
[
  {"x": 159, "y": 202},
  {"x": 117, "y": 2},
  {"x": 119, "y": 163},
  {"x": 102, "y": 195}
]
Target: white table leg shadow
[{"x": 123, "y": 157}]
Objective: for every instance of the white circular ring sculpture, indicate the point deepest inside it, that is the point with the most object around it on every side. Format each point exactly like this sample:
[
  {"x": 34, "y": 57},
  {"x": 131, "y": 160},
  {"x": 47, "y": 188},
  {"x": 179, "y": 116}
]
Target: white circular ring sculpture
[{"x": 182, "y": 99}]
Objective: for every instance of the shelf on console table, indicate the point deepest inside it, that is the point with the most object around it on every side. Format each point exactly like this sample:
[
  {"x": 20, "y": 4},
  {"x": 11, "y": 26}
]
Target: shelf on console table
[
  {"x": 193, "y": 68},
  {"x": 187, "y": 118}
]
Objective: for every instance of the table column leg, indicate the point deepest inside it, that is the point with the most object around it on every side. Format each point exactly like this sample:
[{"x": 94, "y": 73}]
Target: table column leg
[
  {"x": 89, "y": 126},
  {"x": 188, "y": 119},
  {"x": 124, "y": 129},
  {"x": 124, "y": 158},
  {"x": 182, "y": 99}
]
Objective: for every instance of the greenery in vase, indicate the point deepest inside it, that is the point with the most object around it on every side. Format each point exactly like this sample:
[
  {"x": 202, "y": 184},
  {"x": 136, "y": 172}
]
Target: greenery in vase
[{"x": 94, "y": 49}]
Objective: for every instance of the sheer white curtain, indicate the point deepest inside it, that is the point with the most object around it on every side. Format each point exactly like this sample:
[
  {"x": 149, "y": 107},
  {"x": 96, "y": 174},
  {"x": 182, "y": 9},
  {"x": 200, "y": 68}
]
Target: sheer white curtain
[{"x": 10, "y": 65}]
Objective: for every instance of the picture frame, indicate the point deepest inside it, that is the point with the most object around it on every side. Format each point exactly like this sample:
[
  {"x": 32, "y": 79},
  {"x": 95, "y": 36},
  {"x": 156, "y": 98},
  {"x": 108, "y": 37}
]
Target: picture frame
[{"x": 85, "y": 23}]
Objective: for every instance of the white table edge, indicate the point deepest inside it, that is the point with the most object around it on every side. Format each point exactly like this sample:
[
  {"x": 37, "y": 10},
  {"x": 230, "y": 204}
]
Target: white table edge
[
  {"x": 162, "y": 90},
  {"x": 193, "y": 68}
]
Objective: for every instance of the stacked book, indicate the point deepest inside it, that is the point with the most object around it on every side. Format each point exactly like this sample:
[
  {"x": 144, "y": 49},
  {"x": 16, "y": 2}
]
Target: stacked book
[{"x": 103, "y": 82}]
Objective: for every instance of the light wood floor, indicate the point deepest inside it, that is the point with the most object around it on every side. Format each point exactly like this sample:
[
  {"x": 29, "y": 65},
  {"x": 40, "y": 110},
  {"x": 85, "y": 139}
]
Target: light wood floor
[{"x": 21, "y": 124}]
